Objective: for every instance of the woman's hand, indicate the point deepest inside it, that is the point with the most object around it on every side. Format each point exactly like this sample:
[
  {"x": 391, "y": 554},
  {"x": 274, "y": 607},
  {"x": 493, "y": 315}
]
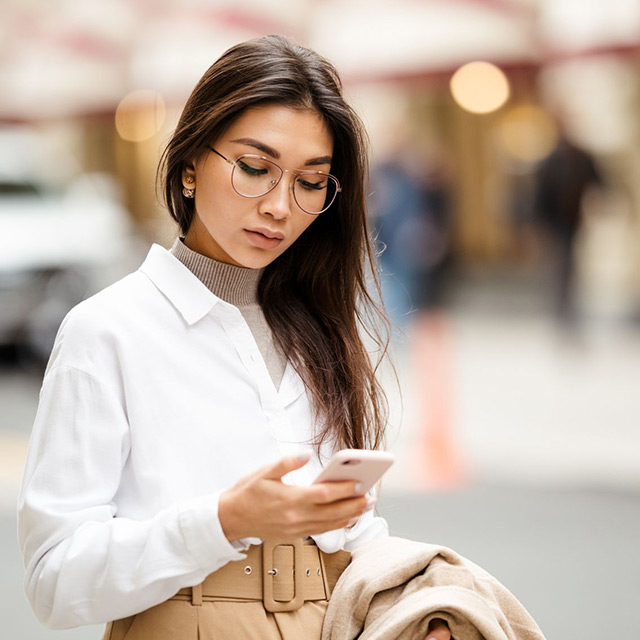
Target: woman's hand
[
  {"x": 261, "y": 506},
  {"x": 438, "y": 630}
]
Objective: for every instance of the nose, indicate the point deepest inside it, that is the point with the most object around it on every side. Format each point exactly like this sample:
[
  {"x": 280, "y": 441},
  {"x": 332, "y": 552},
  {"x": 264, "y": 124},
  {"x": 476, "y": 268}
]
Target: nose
[{"x": 277, "y": 203}]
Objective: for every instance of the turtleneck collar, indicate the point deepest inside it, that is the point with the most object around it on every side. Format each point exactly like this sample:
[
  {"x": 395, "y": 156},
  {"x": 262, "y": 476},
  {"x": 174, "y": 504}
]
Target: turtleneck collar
[{"x": 235, "y": 285}]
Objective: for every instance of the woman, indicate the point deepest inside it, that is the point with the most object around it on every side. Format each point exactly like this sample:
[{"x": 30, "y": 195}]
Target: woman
[{"x": 186, "y": 409}]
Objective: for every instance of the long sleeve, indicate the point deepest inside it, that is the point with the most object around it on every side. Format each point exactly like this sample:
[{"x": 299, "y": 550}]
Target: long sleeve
[{"x": 84, "y": 564}]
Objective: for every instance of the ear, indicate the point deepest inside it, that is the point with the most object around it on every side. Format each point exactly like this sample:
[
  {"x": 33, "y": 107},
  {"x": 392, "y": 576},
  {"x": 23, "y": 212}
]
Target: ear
[{"x": 189, "y": 176}]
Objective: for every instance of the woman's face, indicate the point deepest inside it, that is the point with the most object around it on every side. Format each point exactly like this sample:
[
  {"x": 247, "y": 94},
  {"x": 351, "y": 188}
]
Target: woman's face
[{"x": 252, "y": 232}]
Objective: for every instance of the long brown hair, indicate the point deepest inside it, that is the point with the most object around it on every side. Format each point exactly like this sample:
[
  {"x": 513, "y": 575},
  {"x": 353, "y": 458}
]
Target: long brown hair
[{"x": 314, "y": 296}]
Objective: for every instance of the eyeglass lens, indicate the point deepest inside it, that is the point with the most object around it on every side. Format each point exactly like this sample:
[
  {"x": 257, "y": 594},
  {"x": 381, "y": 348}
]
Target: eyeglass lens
[{"x": 253, "y": 177}]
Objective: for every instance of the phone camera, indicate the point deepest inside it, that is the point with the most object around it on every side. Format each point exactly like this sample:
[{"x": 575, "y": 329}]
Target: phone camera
[{"x": 351, "y": 462}]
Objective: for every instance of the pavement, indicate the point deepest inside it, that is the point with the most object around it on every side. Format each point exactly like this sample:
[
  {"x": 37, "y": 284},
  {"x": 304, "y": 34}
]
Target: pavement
[{"x": 517, "y": 446}]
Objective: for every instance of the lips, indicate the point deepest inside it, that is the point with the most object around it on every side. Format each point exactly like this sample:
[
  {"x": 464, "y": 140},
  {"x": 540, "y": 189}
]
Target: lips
[
  {"x": 264, "y": 238},
  {"x": 268, "y": 233}
]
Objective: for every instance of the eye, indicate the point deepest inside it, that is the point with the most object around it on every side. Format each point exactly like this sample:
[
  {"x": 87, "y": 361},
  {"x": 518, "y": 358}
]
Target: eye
[
  {"x": 315, "y": 185},
  {"x": 252, "y": 167}
]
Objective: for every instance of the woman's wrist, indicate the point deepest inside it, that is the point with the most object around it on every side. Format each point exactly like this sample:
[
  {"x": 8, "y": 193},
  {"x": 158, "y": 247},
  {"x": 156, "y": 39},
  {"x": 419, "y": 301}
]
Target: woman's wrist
[{"x": 226, "y": 516}]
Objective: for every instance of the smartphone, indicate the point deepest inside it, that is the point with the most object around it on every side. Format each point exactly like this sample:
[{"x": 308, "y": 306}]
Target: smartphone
[{"x": 365, "y": 467}]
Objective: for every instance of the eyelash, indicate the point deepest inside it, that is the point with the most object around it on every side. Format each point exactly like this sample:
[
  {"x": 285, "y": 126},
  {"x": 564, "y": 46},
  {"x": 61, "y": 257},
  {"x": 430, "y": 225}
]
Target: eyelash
[
  {"x": 315, "y": 186},
  {"x": 251, "y": 170}
]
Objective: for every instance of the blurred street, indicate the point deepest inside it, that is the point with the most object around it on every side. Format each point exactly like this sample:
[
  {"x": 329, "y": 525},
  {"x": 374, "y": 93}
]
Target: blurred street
[{"x": 542, "y": 489}]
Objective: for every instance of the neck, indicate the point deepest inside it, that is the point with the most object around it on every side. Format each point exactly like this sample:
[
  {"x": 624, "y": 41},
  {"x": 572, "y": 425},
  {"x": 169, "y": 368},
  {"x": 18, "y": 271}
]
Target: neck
[{"x": 235, "y": 285}]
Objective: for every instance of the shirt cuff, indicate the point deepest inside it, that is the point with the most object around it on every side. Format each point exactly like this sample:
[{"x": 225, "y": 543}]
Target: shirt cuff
[
  {"x": 244, "y": 543},
  {"x": 203, "y": 534},
  {"x": 369, "y": 527}
]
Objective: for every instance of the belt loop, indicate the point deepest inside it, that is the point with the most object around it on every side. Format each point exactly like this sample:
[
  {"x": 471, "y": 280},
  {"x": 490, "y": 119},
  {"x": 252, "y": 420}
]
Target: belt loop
[
  {"x": 196, "y": 595},
  {"x": 325, "y": 580}
]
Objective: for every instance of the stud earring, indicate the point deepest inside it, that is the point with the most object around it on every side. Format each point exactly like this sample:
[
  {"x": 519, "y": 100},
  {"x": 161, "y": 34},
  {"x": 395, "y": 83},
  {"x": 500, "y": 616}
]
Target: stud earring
[
  {"x": 189, "y": 179},
  {"x": 188, "y": 193}
]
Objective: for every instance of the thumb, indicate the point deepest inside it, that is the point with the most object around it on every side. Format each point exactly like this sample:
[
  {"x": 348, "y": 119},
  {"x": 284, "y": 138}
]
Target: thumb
[{"x": 285, "y": 465}]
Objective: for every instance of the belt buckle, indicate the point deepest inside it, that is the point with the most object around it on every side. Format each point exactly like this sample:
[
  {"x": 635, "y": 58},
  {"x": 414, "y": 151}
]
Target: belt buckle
[{"x": 267, "y": 578}]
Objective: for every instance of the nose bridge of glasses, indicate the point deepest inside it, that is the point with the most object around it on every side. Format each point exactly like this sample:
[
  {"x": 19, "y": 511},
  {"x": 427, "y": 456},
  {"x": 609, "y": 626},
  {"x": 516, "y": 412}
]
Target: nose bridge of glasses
[
  {"x": 281, "y": 178},
  {"x": 281, "y": 190}
]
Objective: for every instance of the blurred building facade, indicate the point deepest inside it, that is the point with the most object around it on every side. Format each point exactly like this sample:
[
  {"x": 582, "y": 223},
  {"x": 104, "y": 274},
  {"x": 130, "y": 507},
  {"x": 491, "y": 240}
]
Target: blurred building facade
[{"x": 102, "y": 85}]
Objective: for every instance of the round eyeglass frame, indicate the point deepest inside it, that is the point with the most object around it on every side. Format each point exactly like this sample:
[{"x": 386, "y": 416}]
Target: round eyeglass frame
[{"x": 275, "y": 183}]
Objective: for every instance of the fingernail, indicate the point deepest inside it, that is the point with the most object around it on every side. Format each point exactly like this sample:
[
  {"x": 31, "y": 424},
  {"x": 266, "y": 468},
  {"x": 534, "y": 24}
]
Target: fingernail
[
  {"x": 302, "y": 456},
  {"x": 352, "y": 522},
  {"x": 371, "y": 502},
  {"x": 358, "y": 488}
]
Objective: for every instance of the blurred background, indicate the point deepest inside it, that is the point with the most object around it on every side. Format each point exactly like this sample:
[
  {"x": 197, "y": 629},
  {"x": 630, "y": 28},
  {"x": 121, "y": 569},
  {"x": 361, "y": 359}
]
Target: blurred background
[{"x": 505, "y": 198}]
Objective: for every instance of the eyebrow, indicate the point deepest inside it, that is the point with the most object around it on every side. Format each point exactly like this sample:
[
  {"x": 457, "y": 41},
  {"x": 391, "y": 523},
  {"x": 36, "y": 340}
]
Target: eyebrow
[{"x": 270, "y": 151}]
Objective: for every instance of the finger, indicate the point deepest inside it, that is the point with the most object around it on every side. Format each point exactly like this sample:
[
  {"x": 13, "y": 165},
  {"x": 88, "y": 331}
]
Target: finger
[
  {"x": 325, "y": 492},
  {"x": 438, "y": 630},
  {"x": 338, "y": 512},
  {"x": 442, "y": 633},
  {"x": 284, "y": 466},
  {"x": 330, "y": 525}
]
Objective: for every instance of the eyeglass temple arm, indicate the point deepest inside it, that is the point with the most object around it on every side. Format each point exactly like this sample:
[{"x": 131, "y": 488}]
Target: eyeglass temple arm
[{"x": 225, "y": 159}]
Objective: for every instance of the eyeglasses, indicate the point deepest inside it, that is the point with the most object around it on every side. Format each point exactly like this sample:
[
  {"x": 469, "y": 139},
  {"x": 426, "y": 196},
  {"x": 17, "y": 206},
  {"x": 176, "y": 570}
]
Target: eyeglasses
[{"x": 253, "y": 176}]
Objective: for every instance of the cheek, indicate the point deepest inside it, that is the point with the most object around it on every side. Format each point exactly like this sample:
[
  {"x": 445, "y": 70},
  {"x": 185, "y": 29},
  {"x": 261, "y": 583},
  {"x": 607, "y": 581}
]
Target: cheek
[
  {"x": 221, "y": 206},
  {"x": 217, "y": 194},
  {"x": 215, "y": 186}
]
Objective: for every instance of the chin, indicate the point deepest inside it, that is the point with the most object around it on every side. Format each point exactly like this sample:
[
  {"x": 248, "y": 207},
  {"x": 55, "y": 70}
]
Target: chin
[{"x": 255, "y": 261}]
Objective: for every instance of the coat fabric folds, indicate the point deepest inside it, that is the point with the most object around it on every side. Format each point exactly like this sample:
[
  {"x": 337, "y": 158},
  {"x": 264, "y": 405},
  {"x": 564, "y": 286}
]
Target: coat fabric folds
[{"x": 394, "y": 587}]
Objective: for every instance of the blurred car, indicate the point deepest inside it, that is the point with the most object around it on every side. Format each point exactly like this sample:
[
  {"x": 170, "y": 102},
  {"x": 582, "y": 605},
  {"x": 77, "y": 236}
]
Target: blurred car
[{"x": 57, "y": 246}]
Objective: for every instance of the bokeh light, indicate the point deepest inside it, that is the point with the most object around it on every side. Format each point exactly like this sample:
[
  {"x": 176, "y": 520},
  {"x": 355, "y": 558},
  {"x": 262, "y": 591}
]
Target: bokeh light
[
  {"x": 480, "y": 87},
  {"x": 527, "y": 133},
  {"x": 140, "y": 115}
]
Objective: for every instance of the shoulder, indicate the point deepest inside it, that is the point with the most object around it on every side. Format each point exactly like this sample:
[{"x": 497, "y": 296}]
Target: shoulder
[
  {"x": 121, "y": 300},
  {"x": 96, "y": 328}
]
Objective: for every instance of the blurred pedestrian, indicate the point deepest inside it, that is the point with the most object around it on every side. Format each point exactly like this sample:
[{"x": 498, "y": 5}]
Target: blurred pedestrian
[
  {"x": 396, "y": 203},
  {"x": 178, "y": 403},
  {"x": 561, "y": 182},
  {"x": 433, "y": 261},
  {"x": 411, "y": 214}
]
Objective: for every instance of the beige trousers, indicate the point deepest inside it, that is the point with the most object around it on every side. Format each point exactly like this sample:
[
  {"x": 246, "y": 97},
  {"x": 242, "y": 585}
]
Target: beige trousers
[{"x": 220, "y": 620}]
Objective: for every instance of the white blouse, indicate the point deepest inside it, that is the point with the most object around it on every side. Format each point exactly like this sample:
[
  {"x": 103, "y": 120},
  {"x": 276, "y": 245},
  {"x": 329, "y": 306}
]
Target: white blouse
[{"x": 155, "y": 400}]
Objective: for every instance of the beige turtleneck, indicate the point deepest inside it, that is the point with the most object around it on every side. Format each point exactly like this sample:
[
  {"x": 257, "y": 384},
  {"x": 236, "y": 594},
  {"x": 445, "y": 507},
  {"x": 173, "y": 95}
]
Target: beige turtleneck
[{"x": 237, "y": 286}]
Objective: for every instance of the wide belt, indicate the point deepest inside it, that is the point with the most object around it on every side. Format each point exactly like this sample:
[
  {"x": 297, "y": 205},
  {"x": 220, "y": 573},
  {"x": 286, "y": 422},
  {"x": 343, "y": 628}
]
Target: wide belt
[{"x": 283, "y": 574}]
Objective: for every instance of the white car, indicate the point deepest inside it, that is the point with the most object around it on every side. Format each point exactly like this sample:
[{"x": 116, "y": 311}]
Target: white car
[{"x": 56, "y": 248}]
